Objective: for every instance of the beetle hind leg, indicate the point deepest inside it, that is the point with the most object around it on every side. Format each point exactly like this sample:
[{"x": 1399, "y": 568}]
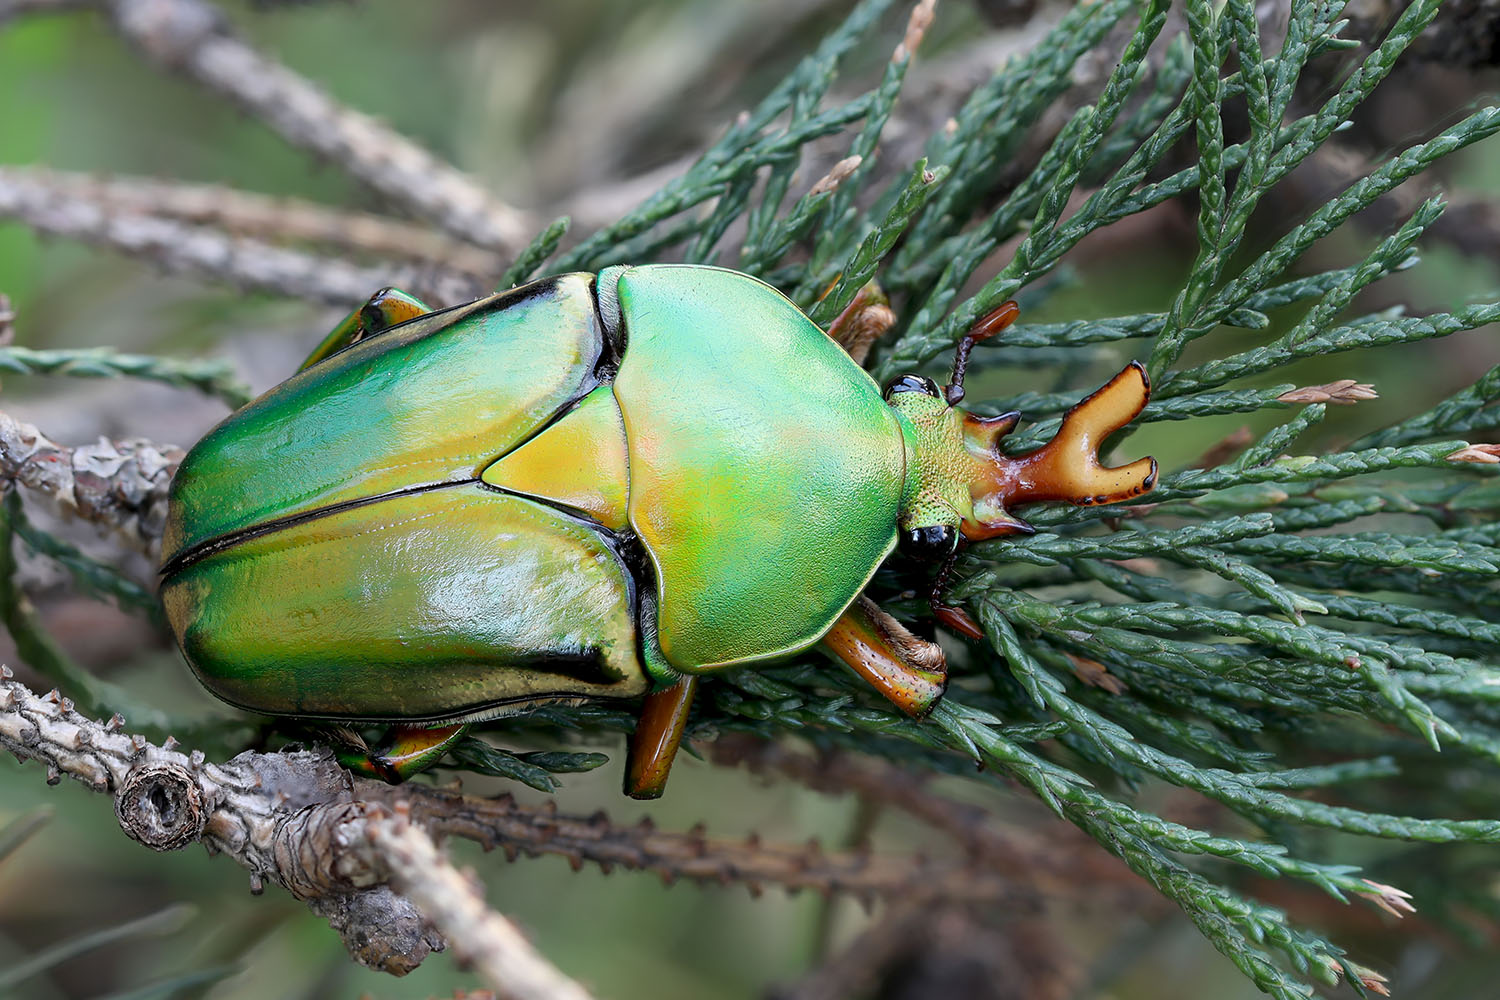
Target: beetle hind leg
[
  {"x": 385, "y": 309},
  {"x": 909, "y": 671},
  {"x": 405, "y": 751}
]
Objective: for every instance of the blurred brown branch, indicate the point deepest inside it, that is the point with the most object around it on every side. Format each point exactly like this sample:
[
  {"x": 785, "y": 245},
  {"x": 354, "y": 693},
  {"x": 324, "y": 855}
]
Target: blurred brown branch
[
  {"x": 1470, "y": 223},
  {"x": 273, "y": 219},
  {"x": 223, "y": 239},
  {"x": 15, "y": 8},
  {"x": 1465, "y": 34},
  {"x": 857, "y": 967},
  {"x": 922, "y": 953},
  {"x": 1054, "y": 866}
]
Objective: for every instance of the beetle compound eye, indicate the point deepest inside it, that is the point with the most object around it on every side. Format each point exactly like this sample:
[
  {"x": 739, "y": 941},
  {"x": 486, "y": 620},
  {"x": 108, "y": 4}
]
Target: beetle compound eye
[
  {"x": 911, "y": 383},
  {"x": 933, "y": 543}
]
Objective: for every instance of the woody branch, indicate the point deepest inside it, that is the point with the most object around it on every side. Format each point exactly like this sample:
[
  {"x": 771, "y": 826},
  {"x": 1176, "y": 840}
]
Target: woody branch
[{"x": 300, "y": 821}]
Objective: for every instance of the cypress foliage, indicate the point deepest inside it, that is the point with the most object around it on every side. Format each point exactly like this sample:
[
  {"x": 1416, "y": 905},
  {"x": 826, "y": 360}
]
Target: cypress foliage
[{"x": 1290, "y": 633}]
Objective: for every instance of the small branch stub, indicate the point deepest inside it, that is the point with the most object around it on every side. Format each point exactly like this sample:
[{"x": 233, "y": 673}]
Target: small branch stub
[
  {"x": 119, "y": 484},
  {"x": 161, "y": 806}
]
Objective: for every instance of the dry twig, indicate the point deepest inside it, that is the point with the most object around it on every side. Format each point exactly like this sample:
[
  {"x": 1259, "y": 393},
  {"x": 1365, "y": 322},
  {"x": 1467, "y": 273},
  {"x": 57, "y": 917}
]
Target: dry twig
[
  {"x": 1480, "y": 454},
  {"x": 176, "y": 246},
  {"x": 1342, "y": 392},
  {"x": 455, "y": 905},
  {"x": 191, "y": 37},
  {"x": 299, "y": 820}
]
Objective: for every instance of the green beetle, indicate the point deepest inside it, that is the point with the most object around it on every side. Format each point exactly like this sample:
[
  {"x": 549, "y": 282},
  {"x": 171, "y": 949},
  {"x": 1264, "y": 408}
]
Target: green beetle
[{"x": 591, "y": 486}]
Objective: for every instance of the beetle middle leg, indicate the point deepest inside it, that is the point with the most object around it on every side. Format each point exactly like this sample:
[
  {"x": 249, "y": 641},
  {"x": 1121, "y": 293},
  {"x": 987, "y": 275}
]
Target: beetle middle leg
[
  {"x": 658, "y": 734},
  {"x": 909, "y": 671}
]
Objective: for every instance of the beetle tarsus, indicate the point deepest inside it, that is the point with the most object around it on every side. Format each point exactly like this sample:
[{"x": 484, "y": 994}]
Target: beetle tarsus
[
  {"x": 385, "y": 309},
  {"x": 863, "y": 321},
  {"x": 405, "y": 751},
  {"x": 950, "y": 615}
]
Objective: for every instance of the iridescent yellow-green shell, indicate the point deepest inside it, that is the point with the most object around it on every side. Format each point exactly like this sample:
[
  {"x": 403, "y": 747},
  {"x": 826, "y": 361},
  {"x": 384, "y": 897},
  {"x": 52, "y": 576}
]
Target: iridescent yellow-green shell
[{"x": 557, "y": 492}]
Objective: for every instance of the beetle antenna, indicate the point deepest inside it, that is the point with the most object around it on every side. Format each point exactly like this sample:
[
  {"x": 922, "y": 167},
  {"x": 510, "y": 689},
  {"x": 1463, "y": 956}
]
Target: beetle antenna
[{"x": 989, "y": 324}]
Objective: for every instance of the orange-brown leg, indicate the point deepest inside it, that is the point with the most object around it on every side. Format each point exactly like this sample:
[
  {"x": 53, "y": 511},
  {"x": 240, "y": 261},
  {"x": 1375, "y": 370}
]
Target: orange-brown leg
[
  {"x": 863, "y": 321},
  {"x": 909, "y": 671},
  {"x": 658, "y": 734}
]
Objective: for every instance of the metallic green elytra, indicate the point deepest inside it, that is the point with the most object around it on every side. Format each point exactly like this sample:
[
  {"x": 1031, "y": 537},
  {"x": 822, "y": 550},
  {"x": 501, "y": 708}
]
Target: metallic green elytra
[{"x": 591, "y": 486}]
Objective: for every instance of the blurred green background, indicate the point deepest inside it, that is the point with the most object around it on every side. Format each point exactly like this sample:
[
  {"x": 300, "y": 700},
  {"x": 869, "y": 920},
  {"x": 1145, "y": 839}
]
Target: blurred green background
[{"x": 579, "y": 107}]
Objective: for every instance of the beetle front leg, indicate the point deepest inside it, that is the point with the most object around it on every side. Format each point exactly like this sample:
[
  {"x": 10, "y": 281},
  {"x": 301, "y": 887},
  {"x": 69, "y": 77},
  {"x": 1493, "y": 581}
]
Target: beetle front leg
[
  {"x": 909, "y": 671},
  {"x": 385, "y": 309},
  {"x": 658, "y": 734},
  {"x": 863, "y": 321},
  {"x": 1068, "y": 466}
]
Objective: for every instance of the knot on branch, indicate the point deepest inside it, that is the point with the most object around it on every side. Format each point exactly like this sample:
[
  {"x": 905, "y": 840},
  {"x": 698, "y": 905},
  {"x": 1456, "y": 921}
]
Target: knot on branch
[
  {"x": 119, "y": 484},
  {"x": 161, "y": 806},
  {"x": 322, "y": 850},
  {"x": 382, "y": 929}
]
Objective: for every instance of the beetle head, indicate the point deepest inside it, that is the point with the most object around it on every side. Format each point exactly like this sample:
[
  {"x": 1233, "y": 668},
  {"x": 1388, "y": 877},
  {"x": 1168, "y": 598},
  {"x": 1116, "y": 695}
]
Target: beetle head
[{"x": 958, "y": 478}]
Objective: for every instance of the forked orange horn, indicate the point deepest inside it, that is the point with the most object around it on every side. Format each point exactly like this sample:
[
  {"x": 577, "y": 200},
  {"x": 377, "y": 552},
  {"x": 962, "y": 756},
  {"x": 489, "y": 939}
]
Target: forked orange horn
[{"x": 1065, "y": 468}]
